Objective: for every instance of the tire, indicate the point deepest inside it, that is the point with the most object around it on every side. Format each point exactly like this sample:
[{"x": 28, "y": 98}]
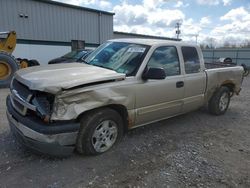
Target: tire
[
  {"x": 220, "y": 101},
  {"x": 8, "y": 66},
  {"x": 100, "y": 130},
  {"x": 246, "y": 73},
  {"x": 246, "y": 70}
]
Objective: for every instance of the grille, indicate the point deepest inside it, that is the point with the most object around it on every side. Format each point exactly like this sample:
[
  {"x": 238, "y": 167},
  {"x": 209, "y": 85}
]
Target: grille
[
  {"x": 18, "y": 106},
  {"x": 20, "y": 97},
  {"x": 22, "y": 90}
]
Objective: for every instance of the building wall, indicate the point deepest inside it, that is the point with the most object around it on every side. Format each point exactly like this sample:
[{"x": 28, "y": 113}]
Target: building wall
[
  {"x": 42, "y": 52},
  {"x": 46, "y": 52},
  {"x": 52, "y": 21}
]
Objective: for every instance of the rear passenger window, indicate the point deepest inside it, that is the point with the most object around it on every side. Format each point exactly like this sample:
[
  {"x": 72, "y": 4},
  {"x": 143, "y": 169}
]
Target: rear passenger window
[
  {"x": 191, "y": 60},
  {"x": 166, "y": 57}
]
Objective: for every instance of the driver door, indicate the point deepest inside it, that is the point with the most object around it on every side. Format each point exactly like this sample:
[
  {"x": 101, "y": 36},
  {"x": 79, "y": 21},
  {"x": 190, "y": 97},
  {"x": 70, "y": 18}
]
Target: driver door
[{"x": 160, "y": 99}]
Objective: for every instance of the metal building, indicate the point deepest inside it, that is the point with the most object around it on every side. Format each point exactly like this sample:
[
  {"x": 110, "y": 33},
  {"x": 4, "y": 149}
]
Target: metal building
[
  {"x": 53, "y": 21},
  {"x": 46, "y": 29},
  {"x": 47, "y": 26}
]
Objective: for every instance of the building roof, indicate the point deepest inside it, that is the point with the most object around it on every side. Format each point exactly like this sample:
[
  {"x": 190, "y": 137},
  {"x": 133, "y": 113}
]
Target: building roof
[
  {"x": 75, "y": 7},
  {"x": 146, "y": 36}
]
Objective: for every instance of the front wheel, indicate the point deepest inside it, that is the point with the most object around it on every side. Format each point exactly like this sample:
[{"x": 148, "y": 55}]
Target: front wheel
[
  {"x": 100, "y": 130},
  {"x": 219, "y": 102}
]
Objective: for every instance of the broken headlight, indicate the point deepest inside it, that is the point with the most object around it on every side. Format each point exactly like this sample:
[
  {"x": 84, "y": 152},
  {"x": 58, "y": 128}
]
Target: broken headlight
[
  {"x": 59, "y": 107},
  {"x": 44, "y": 104}
]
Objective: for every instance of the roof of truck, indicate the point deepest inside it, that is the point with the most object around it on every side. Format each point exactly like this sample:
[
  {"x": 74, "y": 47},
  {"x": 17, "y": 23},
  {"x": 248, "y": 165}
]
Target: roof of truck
[{"x": 152, "y": 42}]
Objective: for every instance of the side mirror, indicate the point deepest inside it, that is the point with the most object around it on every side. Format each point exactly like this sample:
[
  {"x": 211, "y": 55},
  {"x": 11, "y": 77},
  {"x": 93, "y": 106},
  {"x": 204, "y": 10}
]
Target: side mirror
[{"x": 154, "y": 73}]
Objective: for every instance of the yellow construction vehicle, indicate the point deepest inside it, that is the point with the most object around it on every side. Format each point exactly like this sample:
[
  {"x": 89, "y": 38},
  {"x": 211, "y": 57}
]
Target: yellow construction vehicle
[
  {"x": 8, "y": 64},
  {"x": 9, "y": 43}
]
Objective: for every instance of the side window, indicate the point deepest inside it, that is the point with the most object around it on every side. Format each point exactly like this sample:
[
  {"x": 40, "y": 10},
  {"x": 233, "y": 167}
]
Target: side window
[
  {"x": 166, "y": 57},
  {"x": 191, "y": 60}
]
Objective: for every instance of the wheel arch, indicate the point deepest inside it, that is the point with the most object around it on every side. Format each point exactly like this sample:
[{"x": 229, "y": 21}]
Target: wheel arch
[
  {"x": 230, "y": 85},
  {"x": 214, "y": 101},
  {"x": 121, "y": 109}
]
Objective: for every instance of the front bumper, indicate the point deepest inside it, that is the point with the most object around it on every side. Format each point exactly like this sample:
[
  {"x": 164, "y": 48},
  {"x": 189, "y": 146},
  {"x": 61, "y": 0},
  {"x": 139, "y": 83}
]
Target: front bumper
[{"x": 57, "y": 139}]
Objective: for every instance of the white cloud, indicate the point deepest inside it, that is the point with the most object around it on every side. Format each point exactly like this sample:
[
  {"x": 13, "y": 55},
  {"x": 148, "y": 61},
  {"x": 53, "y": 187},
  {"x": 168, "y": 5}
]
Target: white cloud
[
  {"x": 227, "y": 2},
  {"x": 105, "y": 4},
  {"x": 205, "y": 21},
  {"x": 208, "y": 2},
  {"x": 129, "y": 14},
  {"x": 151, "y": 4},
  {"x": 190, "y": 28},
  {"x": 180, "y": 4},
  {"x": 236, "y": 30},
  {"x": 146, "y": 15},
  {"x": 214, "y": 2},
  {"x": 154, "y": 20},
  {"x": 238, "y": 14},
  {"x": 165, "y": 18}
]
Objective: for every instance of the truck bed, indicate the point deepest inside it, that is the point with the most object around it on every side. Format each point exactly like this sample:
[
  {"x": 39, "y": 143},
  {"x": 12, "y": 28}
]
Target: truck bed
[
  {"x": 219, "y": 74},
  {"x": 213, "y": 65}
]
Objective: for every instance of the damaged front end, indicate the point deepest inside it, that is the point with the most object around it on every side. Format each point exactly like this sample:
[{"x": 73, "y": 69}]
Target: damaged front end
[
  {"x": 29, "y": 102},
  {"x": 44, "y": 105},
  {"x": 29, "y": 115}
]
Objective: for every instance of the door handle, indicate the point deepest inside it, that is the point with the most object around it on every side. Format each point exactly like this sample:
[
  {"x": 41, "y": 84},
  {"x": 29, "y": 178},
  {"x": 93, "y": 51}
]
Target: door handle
[{"x": 179, "y": 84}]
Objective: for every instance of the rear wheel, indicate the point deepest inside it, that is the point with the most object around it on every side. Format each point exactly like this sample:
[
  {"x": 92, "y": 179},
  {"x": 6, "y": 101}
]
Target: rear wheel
[
  {"x": 219, "y": 102},
  {"x": 100, "y": 130},
  {"x": 246, "y": 73},
  {"x": 8, "y": 66}
]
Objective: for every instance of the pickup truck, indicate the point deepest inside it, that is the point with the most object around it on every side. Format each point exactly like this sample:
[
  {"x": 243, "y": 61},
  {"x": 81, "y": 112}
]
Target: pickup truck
[{"x": 124, "y": 83}]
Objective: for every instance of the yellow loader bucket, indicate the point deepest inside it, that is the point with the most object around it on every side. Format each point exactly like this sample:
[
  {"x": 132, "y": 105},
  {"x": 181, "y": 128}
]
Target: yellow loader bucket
[{"x": 9, "y": 43}]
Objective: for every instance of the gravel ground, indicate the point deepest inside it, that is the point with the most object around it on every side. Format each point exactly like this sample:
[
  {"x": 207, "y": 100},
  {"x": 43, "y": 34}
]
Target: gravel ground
[{"x": 192, "y": 150}]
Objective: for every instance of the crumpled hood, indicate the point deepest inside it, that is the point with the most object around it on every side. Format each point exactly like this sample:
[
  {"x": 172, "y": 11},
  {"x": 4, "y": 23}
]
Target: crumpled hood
[{"x": 53, "y": 78}]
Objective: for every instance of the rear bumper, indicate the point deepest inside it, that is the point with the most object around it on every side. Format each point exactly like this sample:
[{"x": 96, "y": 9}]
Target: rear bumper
[{"x": 55, "y": 140}]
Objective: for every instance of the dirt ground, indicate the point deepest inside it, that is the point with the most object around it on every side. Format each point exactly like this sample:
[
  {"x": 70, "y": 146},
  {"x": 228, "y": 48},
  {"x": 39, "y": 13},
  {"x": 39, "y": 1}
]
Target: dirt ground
[{"x": 192, "y": 150}]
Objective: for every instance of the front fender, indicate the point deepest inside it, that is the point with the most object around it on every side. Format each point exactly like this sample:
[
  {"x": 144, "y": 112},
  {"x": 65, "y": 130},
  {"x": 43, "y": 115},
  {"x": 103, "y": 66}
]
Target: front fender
[{"x": 70, "y": 105}]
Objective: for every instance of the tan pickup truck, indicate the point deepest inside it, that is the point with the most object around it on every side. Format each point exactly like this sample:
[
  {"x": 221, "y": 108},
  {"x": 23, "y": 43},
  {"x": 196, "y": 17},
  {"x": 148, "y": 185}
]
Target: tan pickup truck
[{"x": 123, "y": 84}]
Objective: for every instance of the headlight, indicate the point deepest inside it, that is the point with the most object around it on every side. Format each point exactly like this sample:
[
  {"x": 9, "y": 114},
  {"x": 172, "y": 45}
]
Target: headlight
[
  {"x": 59, "y": 107},
  {"x": 43, "y": 102}
]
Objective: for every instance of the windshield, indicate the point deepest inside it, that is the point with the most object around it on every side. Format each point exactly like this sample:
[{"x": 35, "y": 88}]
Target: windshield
[
  {"x": 119, "y": 56},
  {"x": 76, "y": 54}
]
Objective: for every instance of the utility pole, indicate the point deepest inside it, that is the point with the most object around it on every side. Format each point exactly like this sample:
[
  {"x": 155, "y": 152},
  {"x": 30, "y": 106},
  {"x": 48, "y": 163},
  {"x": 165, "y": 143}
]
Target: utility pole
[
  {"x": 178, "y": 31},
  {"x": 196, "y": 38}
]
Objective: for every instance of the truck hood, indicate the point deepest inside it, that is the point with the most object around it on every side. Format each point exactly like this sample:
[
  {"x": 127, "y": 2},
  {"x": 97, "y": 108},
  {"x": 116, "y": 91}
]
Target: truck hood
[{"x": 54, "y": 78}]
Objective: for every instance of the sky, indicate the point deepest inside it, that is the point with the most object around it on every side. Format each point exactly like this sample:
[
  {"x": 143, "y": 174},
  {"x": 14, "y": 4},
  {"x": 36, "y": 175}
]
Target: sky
[{"x": 212, "y": 22}]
